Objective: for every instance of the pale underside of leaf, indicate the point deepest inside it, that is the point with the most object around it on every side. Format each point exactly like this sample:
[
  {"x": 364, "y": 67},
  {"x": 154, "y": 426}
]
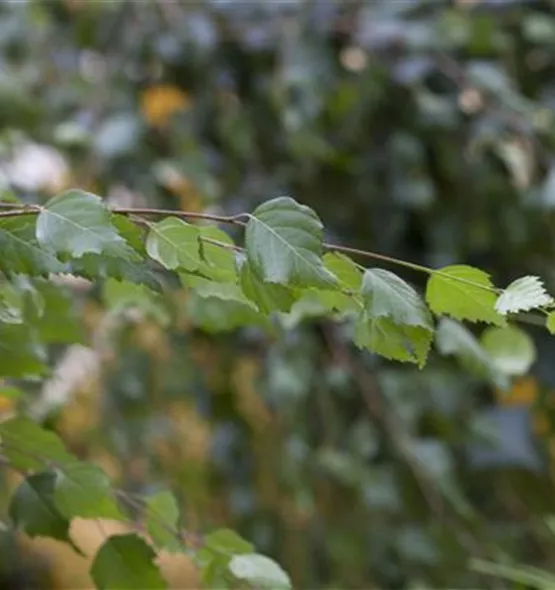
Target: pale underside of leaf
[{"x": 522, "y": 295}]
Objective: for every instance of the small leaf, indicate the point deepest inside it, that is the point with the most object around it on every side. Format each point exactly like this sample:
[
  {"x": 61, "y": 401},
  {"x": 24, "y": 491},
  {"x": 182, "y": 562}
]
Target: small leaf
[
  {"x": 84, "y": 490},
  {"x": 21, "y": 253},
  {"x": 284, "y": 242},
  {"x": 522, "y": 295},
  {"x": 227, "y": 542},
  {"x": 126, "y": 562},
  {"x": 392, "y": 341},
  {"x": 162, "y": 515},
  {"x": 28, "y": 446},
  {"x": 511, "y": 350},
  {"x": 550, "y": 323},
  {"x": 452, "y": 338},
  {"x": 464, "y": 293},
  {"x": 260, "y": 571},
  {"x": 174, "y": 244},
  {"x": 32, "y": 509},
  {"x": 387, "y": 295},
  {"x": 269, "y": 297},
  {"x": 76, "y": 223}
]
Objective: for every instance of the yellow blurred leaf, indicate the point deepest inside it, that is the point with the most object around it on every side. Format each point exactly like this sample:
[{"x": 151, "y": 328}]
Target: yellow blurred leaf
[
  {"x": 159, "y": 103},
  {"x": 524, "y": 392}
]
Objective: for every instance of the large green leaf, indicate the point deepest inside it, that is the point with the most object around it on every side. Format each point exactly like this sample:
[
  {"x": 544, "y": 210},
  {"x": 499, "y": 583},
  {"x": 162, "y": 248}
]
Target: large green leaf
[
  {"x": 76, "y": 223},
  {"x": 464, "y": 293},
  {"x": 161, "y": 517},
  {"x": 32, "y": 509},
  {"x": 20, "y": 251},
  {"x": 126, "y": 562},
  {"x": 84, "y": 490},
  {"x": 522, "y": 295},
  {"x": 393, "y": 341},
  {"x": 511, "y": 349},
  {"x": 387, "y": 295},
  {"x": 174, "y": 244},
  {"x": 284, "y": 242},
  {"x": 20, "y": 353},
  {"x": 28, "y": 446},
  {"x": 259, "y": 571}
]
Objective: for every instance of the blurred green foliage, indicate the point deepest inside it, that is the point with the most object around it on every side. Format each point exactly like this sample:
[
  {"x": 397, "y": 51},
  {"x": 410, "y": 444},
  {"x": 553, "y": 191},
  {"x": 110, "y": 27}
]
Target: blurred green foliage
[{"x": 421, "y": 129}]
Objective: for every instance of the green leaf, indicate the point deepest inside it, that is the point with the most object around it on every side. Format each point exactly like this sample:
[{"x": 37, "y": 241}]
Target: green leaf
[
  {"x": 162, "y": 515},
  {"x": 268, "y": 297},
  {"x": 96, "y": 266},
  {"x": 32, "y": 509},
  {"x": 396, "y": 342},
  {"x": 21, "y": 355},
  {"x": 119, "y": 295},
  {"x": 218, "y": 262},
  {"x": 387, "y": 295},
  {"x": 126, "y": 562},
  {"x": 227, "y": 542},
  {"x": 28, "y": 446},
  {"x": 174, "y": 244},
  {"x": 512, "y": 351},
  {"x": 84, "y": 490},
  {"x": 130, "y": 232},
  {"x": 12, "y": 304},
  {"x": 550, "y": 323},
  {"x": 344, "y": 269},
  {"x": 217, "y": 314},
  {"x": 284, "y": 242},
  {"x": 58, "y": 323},
  {"x": 452, "y": 338},
  {"x": 464, "y": 293},
  {"x": 10, "y": 392},
  {"x": 21, "y": 253},
  {"x": 260, "y": 571},
  {"x": 76, "y": 223},
  {"x": 522, "y": 295}
]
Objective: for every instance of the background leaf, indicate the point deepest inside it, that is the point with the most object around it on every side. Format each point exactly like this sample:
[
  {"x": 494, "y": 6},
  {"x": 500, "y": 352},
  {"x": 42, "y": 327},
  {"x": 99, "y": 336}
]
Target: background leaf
[{"x": 511, "y": 349}]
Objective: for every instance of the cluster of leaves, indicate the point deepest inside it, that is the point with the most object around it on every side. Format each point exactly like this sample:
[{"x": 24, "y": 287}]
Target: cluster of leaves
[{"x": 282, "y": 264}]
